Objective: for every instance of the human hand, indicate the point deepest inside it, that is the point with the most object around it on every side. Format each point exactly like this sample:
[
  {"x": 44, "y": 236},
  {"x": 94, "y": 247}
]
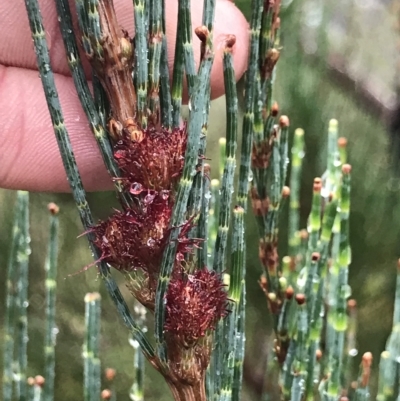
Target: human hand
[{"x": 29, "y": 155}]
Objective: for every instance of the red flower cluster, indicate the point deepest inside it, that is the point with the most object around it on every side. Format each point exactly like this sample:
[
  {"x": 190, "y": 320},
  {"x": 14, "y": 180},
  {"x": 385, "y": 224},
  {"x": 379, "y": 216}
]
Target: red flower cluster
[
  {"x": 150, "y": 167},
  {"x": 136, "y": 237},
  {"x": 194, "y": 305},
  {"x": 155, "y": 162}
]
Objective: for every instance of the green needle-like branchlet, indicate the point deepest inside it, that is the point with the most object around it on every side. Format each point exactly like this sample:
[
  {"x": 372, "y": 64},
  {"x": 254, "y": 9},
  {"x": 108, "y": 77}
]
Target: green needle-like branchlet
[
  {"x": 314, "y": 221},
  {"x": 71, "y": 169},
  {"x": 362, "y": 392},
  {"x": 96, "y": 117},
  {"x": 198, "y": 103},
  {"x": 92, "y": 367},
  {"x": 213, "y": 214},
  {"x": 22, "y": 301},
  {"x": 387, "y": 377},
  {"x": 230, "y": 159},
  {"x": 232, "y": 322},
  {"x": 184, "y": 18},
  {"x": 165, "y": 92},
  {"x": 222, "y": 382},
  {"x": 141, "y": 58},
  {"x": 51, "y": 287},
  {"x": 202, "y": 225},
  {"x": 156, "y": 35},
  {"x": 11, "y": 294},
  {"x": 333, "y": 170},
  {"x": 177, "y": 78},
  {"x": 250, "y": 93},
  {"x": 137, "y": 389}
]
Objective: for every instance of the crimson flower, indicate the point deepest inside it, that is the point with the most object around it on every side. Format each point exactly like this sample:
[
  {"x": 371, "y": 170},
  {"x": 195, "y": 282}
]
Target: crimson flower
[
  {"x": 194, "y": 304},
  {"x": 136, "y": 237},
  {"x": 154, "y": 162}
]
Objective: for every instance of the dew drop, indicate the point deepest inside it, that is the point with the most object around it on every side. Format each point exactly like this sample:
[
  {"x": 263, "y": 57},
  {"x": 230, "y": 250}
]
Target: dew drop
[
  {"x": 149, "y": 198},
  {"x": 164, "y": 194},
  {"x": 136, "y": 188}
]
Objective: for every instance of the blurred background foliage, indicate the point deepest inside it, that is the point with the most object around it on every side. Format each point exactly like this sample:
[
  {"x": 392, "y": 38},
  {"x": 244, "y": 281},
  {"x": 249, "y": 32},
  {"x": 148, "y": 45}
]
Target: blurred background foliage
[{"x": 339, "y": 60}]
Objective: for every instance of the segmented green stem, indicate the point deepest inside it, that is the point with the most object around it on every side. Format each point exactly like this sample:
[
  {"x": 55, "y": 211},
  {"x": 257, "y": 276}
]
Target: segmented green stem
[
  {"x": 11, "y": 294},
  {"x": 31, "y": 389},
  {"x": 362, "y": 392},
  {"x": 184, "y": 18},
  {"x": 92, "y": 368},
  {"x": 137, "y": 389},
  {"x": 337, "y": 316},
  {"x": 177, "y": 77},
  {"x": 165, "y": 92},
  {"x": 235, "y": 292},
  {"x": 100, "y": 100},
  {"x": 387, "y": 377},
  {"x": 299, "y": 366},
  {"x": 37, "y": 392},
  {"x": 199, "y": 100},
  {"x": 96, "y": 117},
  {"x": 240, "y": 341},
  {"x": 141, "y": 57},
  {"x": 333, "y": 159},
  {"x": 208, "y": 14},
  {"x": 212, "y": 225},
  {"x": 314, "y": 221},
  {"x": 136, "y": 392},
  {"x": 22, "y": 301},
  {"x": 230, "y": 162},
  {"x": 202, "y": 226},
  {"x": 222, "y": 382},
  {"x": 71, "y": 169},
  {"x": 51, "y": 287},
  {"x": 156, "y": 35},
  {"x": 248, "y": 118}
]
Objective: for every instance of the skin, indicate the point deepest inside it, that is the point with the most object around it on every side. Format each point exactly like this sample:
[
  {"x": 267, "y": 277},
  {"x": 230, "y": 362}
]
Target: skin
[{"x": 29, "y": 157}]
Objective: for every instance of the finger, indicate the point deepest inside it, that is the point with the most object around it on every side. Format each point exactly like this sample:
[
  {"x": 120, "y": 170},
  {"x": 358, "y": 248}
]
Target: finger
[
  {"x": 29, "y": 155},
  {"x": 16, "y": 45}
]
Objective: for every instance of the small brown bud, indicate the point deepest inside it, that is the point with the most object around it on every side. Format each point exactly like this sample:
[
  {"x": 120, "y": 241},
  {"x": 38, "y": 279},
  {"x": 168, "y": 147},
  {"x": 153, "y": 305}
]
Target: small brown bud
[
  {"x": 92, "y": 296},
  {"x": 53, "y": 208},
  {"x": 207, "y": 168},
  {"x": 300, "y": 299},
  {"x": 39, "y": 380},
  {"x": 230, "y": 42},
  {"x": 110, "y": 374},
  {"x": 106, "y": 394},
  {"x": 366, "y": 368},
  {"x": 274, "y": 109},
  {"x": 202, "y": 33},
  {"x": 318, "y": 354},
  {"x": 315, "y": 256},
  {"x": 285, "y": 191},
  {"x": 342, "y": 142},
  {"x": 367, "y": 359},
  {"x": 126, "y": 48},
  {"x": 284, "y": 122},
  {"x": 351, "y": 304},
  {"x": 317, "y": 184},
  {"x": 303, "y": 234},
  {"x": 289, "y": 292},
  {"x": 346, "y": 169}
]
